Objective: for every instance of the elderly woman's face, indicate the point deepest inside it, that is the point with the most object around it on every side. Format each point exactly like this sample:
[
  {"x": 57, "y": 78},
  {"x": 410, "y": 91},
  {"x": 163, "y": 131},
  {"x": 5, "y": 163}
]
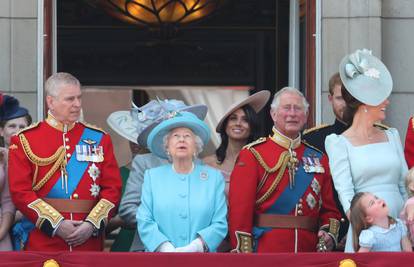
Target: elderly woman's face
[
  {"x": 181, "y": 143},
  {"x": 11, "y": 128}
]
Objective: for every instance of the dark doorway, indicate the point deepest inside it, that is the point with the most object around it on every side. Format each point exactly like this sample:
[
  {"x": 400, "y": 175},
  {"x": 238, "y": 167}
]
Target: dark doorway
[{"x": 244, "y": 43}]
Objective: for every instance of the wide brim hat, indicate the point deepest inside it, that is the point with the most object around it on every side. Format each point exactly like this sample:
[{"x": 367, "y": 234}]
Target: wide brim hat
[
  {"x": 199, "y": 110},
  {"x": 257, "y": 101},
  {"x": 177, "y": 119},
  {"x": 365, "y": 77},
  {"x": 123, "y": 124}
]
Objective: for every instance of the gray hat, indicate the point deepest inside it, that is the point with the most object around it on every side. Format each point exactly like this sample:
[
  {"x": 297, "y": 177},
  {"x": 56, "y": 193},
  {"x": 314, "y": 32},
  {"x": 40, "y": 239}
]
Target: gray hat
[
  {"x": 365, "y": 77},
  {"x": 136, "y": 124}
]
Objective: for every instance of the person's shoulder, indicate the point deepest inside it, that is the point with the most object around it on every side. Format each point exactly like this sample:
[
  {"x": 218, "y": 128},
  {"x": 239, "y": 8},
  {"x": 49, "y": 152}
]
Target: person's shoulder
[
  {"x": 92, "y": 127},
  {"x": 29, "y": 128},
  {"x": 309, "y": 146},
  {"x": 316, "y": 130},
  {"x": 256, "y": 143}
]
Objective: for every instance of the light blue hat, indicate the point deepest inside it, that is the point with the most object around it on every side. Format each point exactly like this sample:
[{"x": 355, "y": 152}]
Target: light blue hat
[
  {"x": 137, "y": 123},
  {"x": 175, "y": 120},
  {"x": 365, "y": 77}
]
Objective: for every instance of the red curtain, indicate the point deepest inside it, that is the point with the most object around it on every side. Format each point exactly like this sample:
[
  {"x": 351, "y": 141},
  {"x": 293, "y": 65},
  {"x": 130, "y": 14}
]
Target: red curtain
[{"x": 102, "y": 259}]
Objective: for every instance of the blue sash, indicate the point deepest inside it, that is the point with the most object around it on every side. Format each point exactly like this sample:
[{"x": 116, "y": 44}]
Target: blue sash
[
  {"x": 290, "y": 196},
  {"x": 75, "y": 168}
]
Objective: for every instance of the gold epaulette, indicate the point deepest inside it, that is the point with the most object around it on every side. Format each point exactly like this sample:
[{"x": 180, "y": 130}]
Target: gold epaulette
[
  {"x": 311, "y": 146},
  {"x": 256, "y": 142},
  {"x": 91, "y": 126},
  {"x": 306, "y": 131},
  {"x": 31, "y": 126},
  {"x": 381, "y": 126},
  {"x": 100, "y": 213}
]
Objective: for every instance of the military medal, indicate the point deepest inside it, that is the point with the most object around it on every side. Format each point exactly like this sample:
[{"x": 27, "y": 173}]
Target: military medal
[
  {"x": 94, "y": 173},
  {"x": 310, "y": 199},
  {"x": 318, "y": 166},
  {"x": 95, "y": 189},
  {"x": 316, "y": 187}
]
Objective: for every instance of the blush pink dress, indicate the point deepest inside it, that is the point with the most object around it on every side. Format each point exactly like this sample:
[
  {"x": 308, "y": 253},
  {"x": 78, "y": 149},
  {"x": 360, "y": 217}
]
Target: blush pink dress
[{"x": 6, "y": 205}]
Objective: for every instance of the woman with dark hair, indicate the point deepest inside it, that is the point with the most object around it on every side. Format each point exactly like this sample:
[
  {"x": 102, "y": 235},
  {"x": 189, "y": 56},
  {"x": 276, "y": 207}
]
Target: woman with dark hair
[
  {"x": 365, "y": 157},
  {"x": 13, "y": 118},
  {"x": 238, "y": 127}
]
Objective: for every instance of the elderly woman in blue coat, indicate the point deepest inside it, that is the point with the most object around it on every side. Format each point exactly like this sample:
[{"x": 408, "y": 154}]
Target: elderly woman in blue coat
[{"x": 183, "y": 206}]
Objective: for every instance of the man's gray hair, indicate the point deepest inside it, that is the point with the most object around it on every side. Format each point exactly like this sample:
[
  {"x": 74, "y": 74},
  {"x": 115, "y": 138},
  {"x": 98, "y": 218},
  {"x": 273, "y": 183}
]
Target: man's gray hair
[
  {"x": 276, "y": 98},
  {"x": 198, "y": 142},
  {"x": 55, "y": 82}
]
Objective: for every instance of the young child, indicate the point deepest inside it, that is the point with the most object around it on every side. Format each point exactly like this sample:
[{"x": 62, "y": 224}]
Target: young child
[
  {"x": 408, "y": 215},
  {"x": 372, "y": 227}
]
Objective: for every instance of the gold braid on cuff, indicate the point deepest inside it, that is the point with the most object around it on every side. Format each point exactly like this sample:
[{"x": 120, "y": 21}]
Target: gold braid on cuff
[
  {"x": 45, "y": 212},
  {"x": 100, "y": 213},
  {"x": 244, "y": 242}
]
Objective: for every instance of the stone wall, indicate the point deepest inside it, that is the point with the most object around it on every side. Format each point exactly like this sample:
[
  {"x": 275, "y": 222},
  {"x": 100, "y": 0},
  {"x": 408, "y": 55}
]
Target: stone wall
[
  {"x": 386, "y": 28},
  {"x": 18, "y": 46}
]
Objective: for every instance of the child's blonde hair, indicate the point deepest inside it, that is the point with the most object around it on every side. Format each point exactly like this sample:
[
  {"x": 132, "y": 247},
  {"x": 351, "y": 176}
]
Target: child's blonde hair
[{"x": 409, "y": 178}]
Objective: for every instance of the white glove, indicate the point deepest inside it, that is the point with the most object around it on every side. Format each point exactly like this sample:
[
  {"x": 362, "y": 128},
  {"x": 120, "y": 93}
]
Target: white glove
[
  {"x": 195, "y": 246},
  {"x": 166, "y": 247}
]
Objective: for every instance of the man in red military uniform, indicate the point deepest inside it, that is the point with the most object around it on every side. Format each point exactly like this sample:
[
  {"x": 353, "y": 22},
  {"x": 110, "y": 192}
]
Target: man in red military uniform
[
  {"x": 63, "y": 175},
  {"x": 409, "y": 144},
  {"x": 281, "y": 197}
]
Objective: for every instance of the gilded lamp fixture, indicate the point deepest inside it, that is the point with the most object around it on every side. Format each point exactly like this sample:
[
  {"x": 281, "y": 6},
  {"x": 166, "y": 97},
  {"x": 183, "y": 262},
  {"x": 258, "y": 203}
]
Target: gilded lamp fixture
[{"x": 154, "y": 13}]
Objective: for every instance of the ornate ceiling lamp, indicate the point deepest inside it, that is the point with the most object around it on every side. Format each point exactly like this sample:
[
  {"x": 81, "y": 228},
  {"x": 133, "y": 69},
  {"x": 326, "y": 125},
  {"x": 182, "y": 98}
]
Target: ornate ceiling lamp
[{"x": 156, "y": 13}]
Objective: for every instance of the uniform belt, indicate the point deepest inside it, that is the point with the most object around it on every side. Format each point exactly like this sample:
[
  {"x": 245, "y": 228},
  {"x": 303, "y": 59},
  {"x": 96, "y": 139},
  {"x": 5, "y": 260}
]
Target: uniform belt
[
  {"x": 287, "y": 221},
  {"x": 71, "y": 205}
]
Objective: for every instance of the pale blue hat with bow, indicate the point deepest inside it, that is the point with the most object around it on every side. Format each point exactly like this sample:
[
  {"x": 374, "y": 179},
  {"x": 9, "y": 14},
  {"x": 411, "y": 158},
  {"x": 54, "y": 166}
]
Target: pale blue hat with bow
[
  {"x": 136, "y": 124},
  {"x": 175, "y": 120},
  {"x": 365, "y": 77}
]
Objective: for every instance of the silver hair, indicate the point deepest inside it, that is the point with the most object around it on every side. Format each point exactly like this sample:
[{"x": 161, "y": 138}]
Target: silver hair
[
  {"x": 55, "y": 82},
  {"x": 198, "y": 142},
  {"x": 276, "y": 98}
]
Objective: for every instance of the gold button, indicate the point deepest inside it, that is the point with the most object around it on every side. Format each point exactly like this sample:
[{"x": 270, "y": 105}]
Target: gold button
[
  {"x": 68, "y": 155},
  {"x": 95, "y": 214},
  {"x": 44, "y": 204},
  {"x": 300, "y": 212},
  {"x": 343, "y": 220},
  {"x": 54, "y": 214},
  {"x": 101, "y": 205},
  {"x": 67, "y": 139},
  {"x": 67, "y": 146},
  {"x": 75, "y": 196},
  {"x": 300, "y": 200},
  {"x": 300, "y": 205}
]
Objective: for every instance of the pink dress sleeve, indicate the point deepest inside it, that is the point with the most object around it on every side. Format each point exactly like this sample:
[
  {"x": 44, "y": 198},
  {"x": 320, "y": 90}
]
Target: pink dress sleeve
[{"x": 5, "y": 200}]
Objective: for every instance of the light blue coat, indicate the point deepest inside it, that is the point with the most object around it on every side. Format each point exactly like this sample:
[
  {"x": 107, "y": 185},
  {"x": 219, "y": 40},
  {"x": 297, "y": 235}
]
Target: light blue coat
[{"x": 180, "y": 207}]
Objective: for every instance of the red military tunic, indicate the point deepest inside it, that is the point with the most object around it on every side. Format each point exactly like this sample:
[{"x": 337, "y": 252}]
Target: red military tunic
[
  {"x": 93, "y": 199},
  {"x": 409, "y": 143},
  {"x": 316, "y": 202}
]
